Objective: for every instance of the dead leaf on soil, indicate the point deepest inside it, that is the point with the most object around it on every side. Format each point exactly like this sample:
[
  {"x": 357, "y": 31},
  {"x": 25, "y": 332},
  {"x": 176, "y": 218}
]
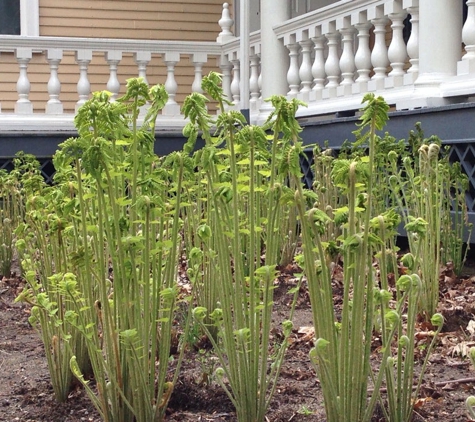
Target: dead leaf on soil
[
  {"x": 462, "y": 349},
  {"x": 421, "y": 402}
]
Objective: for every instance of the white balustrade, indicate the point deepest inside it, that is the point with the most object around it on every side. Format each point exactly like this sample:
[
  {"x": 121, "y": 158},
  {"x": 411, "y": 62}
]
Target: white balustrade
[
  {"x": 334, "y": 56},
  {"x": 54, "y": 105},
  {"x": 96, "y": 55},
  {"x": 346, "y": 62},
  {"x": 23, "y": 104}
]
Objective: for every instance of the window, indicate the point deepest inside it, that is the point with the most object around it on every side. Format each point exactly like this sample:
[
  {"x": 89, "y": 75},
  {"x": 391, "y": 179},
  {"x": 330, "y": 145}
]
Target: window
[
  {"x": 10, "y": 17},
  {"x": 19, "y": 17}
]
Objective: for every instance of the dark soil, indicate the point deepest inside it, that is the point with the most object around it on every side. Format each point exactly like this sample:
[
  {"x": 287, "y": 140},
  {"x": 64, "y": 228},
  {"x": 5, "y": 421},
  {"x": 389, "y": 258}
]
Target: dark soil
[{"x": 26, "y": 395}]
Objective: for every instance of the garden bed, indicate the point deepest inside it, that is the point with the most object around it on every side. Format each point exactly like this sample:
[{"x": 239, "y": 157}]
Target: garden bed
[{"x": 26, "y": 394}]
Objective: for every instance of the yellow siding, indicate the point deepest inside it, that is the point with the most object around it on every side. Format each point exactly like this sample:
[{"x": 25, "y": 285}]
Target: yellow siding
[{"x": 133, "y": 19}]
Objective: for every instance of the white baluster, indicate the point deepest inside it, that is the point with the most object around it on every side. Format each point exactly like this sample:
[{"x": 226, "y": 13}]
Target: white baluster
[
  {"x": 54, "y": 105},
  {"x": 259, "y": 81},
  {"x": 254, "y": 82},
  {"x": 142, "y": 59},
  {"x": 293, "y": 77},
  {"x": 226, "y": 22},
  {"x": 413, "y": 44},
  {"x": 318, "y": 68},
  {"x": 113, "y": 58},
  {"x": 83, "y": 58},
  {"x": 347, "y": 61},
  {"x": 226, "y": 69},
  {"x": 305, "y": 71},
  {"x": 236, "y": 82},
  {"x": 467, "y": 64},
  {"x": 23, "y": 104},
  {"x": 171, "y": 107},
  {"x": 397, "y": 53},
  {"x": 198, "y": 60},
  {"x": 363, "y": 54},
  {"x": 379, "y": 55},
  {"x": 332, "y": 64}
]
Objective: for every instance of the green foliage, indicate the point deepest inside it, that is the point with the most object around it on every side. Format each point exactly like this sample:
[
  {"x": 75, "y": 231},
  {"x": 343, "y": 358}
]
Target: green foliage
[
  {"x": 366, "y": 222},
  {"x": 106, "y": 232},
  {"x": 101, "y": 249},
  {"x": 233, "y": 217}
]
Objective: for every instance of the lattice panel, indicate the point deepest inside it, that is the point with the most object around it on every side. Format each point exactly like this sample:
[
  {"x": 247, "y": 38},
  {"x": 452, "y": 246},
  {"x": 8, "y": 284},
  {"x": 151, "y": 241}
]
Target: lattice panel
[
  {"x": 465, "y": 155},
  {"x": 46, "y": 167},
  {"x": 306, "y": 164}
]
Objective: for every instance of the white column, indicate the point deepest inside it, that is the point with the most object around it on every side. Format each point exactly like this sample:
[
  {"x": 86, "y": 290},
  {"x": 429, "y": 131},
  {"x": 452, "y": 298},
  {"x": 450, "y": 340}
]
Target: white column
[
  {"x": 440, "y": 36},
  {"x": 54, "y": 105},
  {"x": 244, "y": 47},
  {"x": 274, "y": 55}
]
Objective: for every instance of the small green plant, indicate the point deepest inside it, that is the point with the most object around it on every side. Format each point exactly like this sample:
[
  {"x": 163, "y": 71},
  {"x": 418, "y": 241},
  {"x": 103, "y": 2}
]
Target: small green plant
[{"x": 305, "y": 411}]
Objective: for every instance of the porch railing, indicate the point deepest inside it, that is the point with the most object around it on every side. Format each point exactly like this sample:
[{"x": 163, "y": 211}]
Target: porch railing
[
  {"x": 340, "y": 52},
  {"x": 29, "y": 115},
  {"x": 336, "y": 54}
]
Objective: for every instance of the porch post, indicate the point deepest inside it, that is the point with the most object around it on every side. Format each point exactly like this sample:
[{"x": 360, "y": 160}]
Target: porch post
[
  {"x": 440, "y": 37},
  {"x": 274, "y": 55}
]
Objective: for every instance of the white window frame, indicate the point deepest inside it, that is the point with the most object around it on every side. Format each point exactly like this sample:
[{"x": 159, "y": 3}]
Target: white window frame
[{"x": 30, "y": 18}]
